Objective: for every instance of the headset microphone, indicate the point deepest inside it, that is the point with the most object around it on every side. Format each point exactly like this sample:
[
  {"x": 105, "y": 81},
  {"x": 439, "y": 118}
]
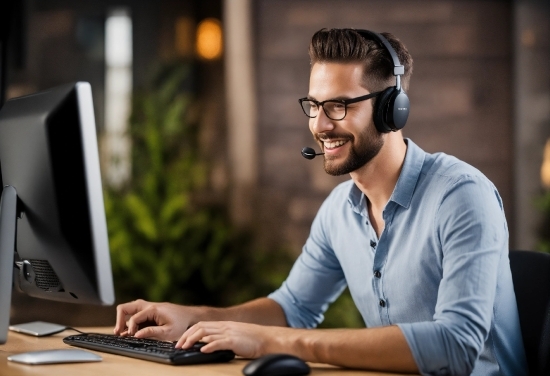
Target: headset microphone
[{"x": 309, "y": 153}]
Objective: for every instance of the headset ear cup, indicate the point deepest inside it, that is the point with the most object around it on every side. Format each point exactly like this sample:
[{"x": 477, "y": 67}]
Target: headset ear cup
[
  {"x": 380, "y": 110},
  {"x": 397, "y": 110}
]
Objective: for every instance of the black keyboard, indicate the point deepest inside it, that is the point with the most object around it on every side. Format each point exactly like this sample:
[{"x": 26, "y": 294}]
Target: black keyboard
[{"x": 148, "y": 349}]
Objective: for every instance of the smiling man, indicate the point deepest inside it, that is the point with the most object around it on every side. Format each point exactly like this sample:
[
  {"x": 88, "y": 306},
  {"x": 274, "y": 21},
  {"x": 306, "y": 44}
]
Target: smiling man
[
  {"x": 420, "y": 239},
  {"x": 352, "y": 145}
]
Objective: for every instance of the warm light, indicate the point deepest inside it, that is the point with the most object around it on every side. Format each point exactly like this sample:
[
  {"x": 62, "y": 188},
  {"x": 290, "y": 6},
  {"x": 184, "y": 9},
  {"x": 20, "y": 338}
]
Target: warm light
[
  {"x": 185, "y": 29},
  {"x": 209, "y": 39},
  {"x": 545, "y": 168}
]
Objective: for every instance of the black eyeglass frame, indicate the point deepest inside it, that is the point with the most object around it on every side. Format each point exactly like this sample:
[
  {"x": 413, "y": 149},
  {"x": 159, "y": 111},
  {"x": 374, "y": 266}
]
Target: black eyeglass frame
[{"x": 345, "y": 102}]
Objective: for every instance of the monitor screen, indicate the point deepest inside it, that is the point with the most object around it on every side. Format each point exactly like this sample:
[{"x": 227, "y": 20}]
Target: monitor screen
[{"x": 53, "y": 233}]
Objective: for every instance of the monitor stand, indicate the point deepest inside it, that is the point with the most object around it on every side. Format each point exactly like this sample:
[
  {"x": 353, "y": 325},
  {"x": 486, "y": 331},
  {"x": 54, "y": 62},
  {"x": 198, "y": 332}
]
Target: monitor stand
[{"x": 8, "y": 228}]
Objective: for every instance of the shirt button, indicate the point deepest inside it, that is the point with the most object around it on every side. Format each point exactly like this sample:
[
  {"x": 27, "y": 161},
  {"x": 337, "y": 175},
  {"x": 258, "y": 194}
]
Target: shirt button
[
  {"x": 382, "y": 303},
  {"x": 373, "y": 244},
  {"x": 377, "y": 273}
]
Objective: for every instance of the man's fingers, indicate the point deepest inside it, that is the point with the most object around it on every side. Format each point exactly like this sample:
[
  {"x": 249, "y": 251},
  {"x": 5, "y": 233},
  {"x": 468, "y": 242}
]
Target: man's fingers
[
  {"x": 147, "y": 314},
  {"x": 199, "y": 331},
  {"x": 212, "y": 337},
  {"x": 122, "y": 310},
  {"x": 194, "y": 337},
  {"x": 158, "y": 332},
  {"x": 186, "y": 339},
  {"x": 181, "y": 341},
  {"x": 219, "y": 343}
]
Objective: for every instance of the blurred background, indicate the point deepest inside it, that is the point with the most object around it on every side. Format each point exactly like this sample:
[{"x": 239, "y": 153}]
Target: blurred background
[{"x": 208, "y": 200}]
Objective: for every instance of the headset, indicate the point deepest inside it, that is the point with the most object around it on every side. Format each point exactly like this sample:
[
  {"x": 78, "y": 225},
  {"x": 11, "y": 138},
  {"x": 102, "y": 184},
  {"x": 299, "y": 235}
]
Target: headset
[{"x": 391, "y": 108}]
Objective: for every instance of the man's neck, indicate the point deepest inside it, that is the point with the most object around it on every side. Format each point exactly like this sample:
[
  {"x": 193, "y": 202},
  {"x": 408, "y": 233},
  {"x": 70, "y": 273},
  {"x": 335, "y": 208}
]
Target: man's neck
[{"x": 377, "y": 179}]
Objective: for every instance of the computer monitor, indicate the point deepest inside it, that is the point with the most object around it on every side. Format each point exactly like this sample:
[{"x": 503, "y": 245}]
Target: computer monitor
[{"x": 53, "y": 232}]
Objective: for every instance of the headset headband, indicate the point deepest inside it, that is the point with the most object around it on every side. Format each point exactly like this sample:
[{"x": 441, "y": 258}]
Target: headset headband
[
  {"x": 398, "y": 69},
  {"x": 391, "y": 108}
]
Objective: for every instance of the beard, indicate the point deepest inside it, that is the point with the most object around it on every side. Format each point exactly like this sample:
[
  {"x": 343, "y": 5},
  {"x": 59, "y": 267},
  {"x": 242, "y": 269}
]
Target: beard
[{"x": 362, "y": 150}]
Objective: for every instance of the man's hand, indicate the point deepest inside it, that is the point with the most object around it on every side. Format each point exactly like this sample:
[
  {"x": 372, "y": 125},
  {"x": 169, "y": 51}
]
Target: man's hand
[
  {"x": 168, "y": 321},
  {"x": 383, "y": 348},
  {"x": 164, "y": 321},
  {"x": 246, "y": 340}
]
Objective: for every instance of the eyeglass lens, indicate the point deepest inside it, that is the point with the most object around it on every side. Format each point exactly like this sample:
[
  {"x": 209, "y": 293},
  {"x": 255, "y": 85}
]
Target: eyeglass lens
[{"x": 334, "y": 110}]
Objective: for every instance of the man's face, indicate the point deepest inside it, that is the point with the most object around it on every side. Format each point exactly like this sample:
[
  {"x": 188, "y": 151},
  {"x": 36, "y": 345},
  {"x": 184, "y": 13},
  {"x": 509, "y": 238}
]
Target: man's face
[{"x": 352, "y": 142}]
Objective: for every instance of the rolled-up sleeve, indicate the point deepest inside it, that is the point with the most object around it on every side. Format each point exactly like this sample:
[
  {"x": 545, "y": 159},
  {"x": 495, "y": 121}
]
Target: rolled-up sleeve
[
  {"x": 315, "y": 281},
  {"x": 471, "y": 229}
]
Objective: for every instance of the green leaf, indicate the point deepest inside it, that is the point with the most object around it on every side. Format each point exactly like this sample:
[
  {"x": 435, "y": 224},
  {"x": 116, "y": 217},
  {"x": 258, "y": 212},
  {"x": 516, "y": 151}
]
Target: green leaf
[{"x": 143, "y": 221}]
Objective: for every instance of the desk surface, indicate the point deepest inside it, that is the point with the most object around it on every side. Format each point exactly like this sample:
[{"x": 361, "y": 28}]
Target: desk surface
[{"x": 120, "y": 365}]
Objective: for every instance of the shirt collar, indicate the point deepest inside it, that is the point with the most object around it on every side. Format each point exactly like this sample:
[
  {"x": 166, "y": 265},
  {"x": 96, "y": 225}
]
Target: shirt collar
[
  {"x": 357, "y": 200},
  {"x": 412, "y": 167},
  {"x": 404, "y": 189}
]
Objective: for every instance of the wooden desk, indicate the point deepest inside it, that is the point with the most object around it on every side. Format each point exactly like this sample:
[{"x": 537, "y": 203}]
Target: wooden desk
[{"x": 121, "y": 365}]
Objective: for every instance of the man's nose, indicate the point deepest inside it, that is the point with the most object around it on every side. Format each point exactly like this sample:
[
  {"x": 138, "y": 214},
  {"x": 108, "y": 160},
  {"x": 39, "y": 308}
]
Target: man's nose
[{"x": 321, "y": 123}]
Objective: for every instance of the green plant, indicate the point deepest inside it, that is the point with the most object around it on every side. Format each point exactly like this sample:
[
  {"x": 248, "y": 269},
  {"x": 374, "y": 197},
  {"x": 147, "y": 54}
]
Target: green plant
[{"x": 167, "y": 242}]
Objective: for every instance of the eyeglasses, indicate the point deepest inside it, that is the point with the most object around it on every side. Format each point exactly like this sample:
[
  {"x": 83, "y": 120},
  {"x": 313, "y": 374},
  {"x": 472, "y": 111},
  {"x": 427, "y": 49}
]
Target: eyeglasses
[{"x": 335, "y": 109}]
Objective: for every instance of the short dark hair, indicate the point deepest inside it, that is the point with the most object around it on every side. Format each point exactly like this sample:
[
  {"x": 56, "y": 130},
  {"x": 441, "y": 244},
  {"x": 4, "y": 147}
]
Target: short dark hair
[{"x": 348, "y": 46}]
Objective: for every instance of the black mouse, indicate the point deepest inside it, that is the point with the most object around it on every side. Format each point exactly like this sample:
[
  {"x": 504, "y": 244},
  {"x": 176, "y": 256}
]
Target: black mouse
[{"x": 276, "y": 365}]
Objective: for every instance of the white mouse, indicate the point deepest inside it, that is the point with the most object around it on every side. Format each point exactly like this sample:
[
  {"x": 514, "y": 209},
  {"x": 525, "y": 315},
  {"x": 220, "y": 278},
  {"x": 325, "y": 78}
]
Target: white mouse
[{"x": 55, "y": 356}]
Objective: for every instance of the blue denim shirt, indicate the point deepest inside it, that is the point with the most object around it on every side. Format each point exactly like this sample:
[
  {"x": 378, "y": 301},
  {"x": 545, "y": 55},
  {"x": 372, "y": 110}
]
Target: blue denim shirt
[{"x": 440, "y": 269}]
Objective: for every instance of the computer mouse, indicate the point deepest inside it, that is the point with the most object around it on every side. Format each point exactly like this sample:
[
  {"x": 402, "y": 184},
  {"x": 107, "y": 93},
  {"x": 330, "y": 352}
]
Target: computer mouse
[
  {"x": 55, "y": 356},
  {"x": 276, "y": 365}
]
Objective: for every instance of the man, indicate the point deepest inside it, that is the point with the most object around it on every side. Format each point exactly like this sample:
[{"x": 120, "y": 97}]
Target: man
[{"x": 420, "y": 239}]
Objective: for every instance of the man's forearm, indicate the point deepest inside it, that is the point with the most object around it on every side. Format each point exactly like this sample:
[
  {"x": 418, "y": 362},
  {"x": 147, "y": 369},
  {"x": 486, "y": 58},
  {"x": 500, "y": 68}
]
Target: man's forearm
[
  {"x": 382, "y": 348},
  {"x": 262, "y": 311}
]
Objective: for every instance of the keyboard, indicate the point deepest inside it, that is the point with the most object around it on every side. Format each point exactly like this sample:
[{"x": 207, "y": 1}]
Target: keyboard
[{"x": 148, "y": 349}]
